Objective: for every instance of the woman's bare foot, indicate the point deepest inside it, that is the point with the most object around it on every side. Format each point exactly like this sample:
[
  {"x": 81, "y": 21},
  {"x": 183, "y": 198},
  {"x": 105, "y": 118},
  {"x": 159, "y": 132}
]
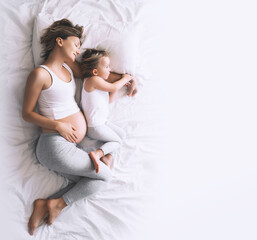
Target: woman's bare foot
[
  {"x": 107, "y": 159},
  {"x": 54, "y": 206},
  {"x": 95, "y": 157},
  {"x": 39, "y": 212}
]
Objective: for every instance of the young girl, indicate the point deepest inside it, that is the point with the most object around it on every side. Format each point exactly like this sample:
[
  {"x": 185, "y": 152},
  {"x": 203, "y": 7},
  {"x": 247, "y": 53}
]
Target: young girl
[{"x": 95, "y": 97}]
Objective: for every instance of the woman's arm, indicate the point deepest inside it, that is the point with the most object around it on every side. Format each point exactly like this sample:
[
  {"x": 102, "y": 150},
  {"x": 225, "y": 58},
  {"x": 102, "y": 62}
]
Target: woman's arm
[
  {"x": 132, "y": 88},
  {"x": 76, "y": 69},
  {"x": 36, "y": 82},
  {"x": 113, "y": 77}
]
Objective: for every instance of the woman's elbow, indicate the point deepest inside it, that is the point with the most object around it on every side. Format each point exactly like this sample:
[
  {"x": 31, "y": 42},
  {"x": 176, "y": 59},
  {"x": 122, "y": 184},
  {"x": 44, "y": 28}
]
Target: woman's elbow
[{"x": 25, "y": 116}]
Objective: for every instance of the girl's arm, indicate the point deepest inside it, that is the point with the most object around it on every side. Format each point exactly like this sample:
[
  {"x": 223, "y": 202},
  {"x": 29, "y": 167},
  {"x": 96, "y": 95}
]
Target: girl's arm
[
  {"x": 96, "y": 82},
  {"x": 77, "y": 72},
  {"x": 132, "y": 88},
  {"x": 36, "y": 82},
  {"x": 112, "y": 96}
]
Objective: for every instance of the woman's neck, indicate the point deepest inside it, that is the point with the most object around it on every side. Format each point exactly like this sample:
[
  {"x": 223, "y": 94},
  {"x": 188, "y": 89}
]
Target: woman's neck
[{"x": 54, "y": 60}]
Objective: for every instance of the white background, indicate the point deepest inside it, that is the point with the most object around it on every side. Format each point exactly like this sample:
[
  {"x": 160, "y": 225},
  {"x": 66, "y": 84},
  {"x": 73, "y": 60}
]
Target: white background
[{"x": 209, "y": 171}]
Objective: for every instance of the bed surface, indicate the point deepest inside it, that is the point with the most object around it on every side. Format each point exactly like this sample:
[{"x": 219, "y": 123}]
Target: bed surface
[{"x": 119, "y": 211}]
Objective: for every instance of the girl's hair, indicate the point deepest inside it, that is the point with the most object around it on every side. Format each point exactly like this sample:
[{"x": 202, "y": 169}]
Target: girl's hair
[
  {"x": 90, "y": 60},
  {"x": 63, "y": 29}
]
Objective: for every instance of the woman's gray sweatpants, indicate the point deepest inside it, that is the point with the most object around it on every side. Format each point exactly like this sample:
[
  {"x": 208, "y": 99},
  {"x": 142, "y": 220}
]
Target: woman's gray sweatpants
[
  {"x": 109, "y": 133},
  {"x": 57, "y": 154}
]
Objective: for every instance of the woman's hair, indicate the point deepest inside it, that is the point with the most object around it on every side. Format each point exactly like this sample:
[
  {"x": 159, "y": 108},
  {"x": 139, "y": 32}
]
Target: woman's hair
[
  {"x": 63, "y": 29},
  {"x": 90, "y": 60}
]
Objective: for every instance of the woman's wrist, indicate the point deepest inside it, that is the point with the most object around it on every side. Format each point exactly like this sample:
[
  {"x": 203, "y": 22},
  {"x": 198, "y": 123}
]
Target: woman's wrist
[{"x": 57, "y": 125}]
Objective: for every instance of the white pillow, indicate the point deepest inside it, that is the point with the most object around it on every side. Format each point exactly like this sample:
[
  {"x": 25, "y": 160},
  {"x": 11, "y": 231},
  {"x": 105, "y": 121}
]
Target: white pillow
[
  {"x": 118, "y": 38},
  {"x": 41, "y": 22}
]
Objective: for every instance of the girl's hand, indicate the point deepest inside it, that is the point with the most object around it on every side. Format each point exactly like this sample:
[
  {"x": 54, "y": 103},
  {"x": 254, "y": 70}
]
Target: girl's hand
[
  {"x": 68, "y": 131},
  {"x": 127, "y": 77}
]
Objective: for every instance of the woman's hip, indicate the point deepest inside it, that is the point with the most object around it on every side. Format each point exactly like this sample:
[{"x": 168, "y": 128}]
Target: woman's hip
[{"x": 53, "y": 147}]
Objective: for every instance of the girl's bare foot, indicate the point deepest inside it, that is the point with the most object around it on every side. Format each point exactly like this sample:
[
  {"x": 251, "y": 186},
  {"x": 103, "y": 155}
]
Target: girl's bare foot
[
  {"x": 107, "y": 159},
  {"x": 54, "y": 206},
  {"x": 39, "y": 212},
  {"x": 95, "y": 157}
]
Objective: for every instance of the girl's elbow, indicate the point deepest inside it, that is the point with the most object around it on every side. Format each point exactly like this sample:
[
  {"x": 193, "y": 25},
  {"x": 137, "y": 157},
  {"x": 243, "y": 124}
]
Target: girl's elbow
[{"x": 115, "y": 89}]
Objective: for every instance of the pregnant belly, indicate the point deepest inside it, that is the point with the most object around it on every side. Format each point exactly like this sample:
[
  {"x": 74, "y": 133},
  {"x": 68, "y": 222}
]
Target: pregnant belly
[{"x": 78, "y": 121}]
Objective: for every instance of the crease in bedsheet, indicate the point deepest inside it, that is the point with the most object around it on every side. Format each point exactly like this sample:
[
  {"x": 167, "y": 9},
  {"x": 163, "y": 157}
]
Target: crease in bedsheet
[
  {"x": 121, "y": 214},
  {"x": 119, "y": 12}
]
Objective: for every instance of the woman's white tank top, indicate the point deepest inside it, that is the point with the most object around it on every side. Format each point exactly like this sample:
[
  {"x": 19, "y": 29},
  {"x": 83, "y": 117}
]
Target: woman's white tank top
[
  {"x": 58, "y": 101},
  {"x": 95, "y": 106}
]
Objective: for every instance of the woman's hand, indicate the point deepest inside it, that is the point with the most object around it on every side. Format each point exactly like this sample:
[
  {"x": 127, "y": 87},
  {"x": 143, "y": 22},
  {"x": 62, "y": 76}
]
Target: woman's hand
[
  {"x": 68, "y": 131},
  {"x": 132, "y": 88}
]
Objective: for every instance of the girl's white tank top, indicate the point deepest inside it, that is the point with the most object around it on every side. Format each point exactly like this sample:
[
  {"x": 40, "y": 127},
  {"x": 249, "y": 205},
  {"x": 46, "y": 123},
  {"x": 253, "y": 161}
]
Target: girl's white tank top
[
  {"x": 95, "y": 106},
  {"x": 58, "y": 101}
]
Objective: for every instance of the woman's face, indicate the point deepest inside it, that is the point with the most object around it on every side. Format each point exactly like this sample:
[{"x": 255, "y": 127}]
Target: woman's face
[
  {"x": 71, "y": 46},
  {"x": 103, "y": 68}
]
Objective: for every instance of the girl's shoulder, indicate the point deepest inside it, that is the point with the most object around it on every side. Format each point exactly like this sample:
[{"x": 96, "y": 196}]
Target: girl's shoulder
[
  {"x": 93, "y": 80},
  {"x": 92, "y": 83}
]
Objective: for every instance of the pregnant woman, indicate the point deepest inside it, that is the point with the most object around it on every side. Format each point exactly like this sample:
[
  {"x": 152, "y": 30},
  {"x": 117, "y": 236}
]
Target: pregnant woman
[{"x": 51, "y": 86}]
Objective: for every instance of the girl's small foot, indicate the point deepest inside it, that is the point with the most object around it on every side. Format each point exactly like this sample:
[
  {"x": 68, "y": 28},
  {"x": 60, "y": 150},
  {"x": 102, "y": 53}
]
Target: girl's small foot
[
  {"x": 39, "y": 212},
  {"x": 95, "y": 157},
  {"x": 107, "y": 159}
]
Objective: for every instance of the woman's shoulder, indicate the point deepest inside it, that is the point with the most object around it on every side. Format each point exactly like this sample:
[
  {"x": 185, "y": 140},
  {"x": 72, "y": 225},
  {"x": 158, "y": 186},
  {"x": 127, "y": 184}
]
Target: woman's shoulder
[
  {"x": 39, "y": 74},
  {"x": 40, "y": 71}
]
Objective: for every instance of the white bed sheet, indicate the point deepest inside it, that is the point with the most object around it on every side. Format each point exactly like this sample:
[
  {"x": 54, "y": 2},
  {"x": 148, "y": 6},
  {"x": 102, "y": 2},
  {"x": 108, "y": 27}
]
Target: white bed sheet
[{"x": 118, "y": 212}]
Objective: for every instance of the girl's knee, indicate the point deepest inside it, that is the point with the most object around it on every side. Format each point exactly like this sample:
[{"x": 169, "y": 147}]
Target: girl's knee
[{"x": 105, "y": 173}]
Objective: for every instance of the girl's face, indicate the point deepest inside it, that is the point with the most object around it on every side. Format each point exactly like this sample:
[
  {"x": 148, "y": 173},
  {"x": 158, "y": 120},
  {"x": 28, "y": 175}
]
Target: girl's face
[
  {"x": 103, "y": 68},
  {"x": 71, "y": 46}
]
